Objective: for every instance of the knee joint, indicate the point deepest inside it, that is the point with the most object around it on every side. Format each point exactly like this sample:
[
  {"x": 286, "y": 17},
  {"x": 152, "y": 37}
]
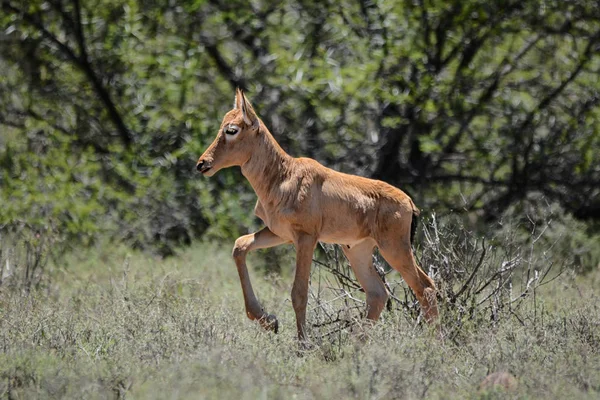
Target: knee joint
[{"x": 239, "y": 250}]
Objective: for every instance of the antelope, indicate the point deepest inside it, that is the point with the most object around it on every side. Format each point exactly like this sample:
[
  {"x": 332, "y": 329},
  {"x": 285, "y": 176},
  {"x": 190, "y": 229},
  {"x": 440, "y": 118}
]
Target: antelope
[{"x": 302, "y": 202}]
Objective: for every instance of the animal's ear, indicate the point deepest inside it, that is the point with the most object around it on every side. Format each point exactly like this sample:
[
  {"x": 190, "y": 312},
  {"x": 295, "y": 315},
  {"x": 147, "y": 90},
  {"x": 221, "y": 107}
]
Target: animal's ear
[
  {"x": 239, "y": 98},
  {"x": 248, "y": 113}
]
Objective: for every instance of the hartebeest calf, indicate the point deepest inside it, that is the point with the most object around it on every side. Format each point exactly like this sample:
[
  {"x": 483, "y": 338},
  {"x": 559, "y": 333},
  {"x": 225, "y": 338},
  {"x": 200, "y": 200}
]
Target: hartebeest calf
[{"x": 302, "y": 202}]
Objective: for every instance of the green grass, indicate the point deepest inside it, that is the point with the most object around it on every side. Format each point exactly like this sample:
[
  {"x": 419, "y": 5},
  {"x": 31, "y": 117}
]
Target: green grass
[{"x": 115, "y": 323}]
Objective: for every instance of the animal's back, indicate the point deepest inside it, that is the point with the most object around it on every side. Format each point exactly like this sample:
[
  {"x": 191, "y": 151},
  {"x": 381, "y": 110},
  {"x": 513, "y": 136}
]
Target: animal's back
[{"x": 352, "y": 207}]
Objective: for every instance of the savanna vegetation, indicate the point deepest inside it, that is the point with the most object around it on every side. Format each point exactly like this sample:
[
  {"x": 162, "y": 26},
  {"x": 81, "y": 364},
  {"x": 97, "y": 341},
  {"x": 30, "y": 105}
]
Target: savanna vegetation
[
  {"x": 115, "y": 273},
  {"x": 114, "y": 323}
]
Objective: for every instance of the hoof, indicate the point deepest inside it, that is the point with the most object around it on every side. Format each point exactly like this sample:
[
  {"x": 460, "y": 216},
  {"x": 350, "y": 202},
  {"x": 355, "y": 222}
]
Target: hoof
[{"x": 269, "y": 322}]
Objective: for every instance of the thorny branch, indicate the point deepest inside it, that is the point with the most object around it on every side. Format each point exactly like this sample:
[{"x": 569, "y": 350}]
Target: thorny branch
[{"x": 475, "y": 281}]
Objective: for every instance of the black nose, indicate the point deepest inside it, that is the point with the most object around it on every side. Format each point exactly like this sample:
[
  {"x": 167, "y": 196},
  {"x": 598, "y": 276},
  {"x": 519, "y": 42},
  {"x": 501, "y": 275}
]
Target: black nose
[{"x": 199, "y": 166}]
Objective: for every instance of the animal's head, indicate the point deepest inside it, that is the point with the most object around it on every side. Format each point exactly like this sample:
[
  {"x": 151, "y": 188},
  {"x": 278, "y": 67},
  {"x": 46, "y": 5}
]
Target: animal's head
[{"x": 234, "y": 142}]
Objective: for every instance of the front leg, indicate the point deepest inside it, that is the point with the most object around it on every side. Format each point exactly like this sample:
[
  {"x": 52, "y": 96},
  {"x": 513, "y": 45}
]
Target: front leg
[
  {"x": 305, "y": 246},
  {"x": 259, "y": 240}
]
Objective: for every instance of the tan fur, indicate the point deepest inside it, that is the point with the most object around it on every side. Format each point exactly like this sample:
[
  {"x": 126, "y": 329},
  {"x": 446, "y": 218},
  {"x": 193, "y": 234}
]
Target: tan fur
[{"x": 302, "y": 202}]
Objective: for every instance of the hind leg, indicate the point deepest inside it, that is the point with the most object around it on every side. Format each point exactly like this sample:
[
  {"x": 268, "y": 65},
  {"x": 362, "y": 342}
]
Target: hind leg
[
  {"x": 400, "y": 257},
  {"x": 361, "y": 262}
]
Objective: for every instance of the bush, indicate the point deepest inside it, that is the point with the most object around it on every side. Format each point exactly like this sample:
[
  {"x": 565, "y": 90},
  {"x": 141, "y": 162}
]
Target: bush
[
  {"x": 25, "y": 255},
  {"x": 481, "y": 281}
]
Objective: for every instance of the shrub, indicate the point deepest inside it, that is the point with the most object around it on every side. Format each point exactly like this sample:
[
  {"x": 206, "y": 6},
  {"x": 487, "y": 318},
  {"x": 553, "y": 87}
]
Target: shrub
[
  {"x": 25, "y": 252},
  {"x": 481, "y": 281}
]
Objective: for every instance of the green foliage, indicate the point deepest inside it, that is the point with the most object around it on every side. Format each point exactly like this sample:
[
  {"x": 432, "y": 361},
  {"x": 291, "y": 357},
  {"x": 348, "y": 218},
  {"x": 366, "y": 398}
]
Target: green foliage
[
  {"x": 44, "y": 185},
  {"x": 566, "y": 241},
  {"x": 107, "y": 105}
]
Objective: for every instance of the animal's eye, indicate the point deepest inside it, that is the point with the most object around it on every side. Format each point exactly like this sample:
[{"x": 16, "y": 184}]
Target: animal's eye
[{"x": 231, "y": 130}]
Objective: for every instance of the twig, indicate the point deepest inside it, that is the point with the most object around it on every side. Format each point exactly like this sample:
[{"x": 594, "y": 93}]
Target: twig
[{"x": 468, "y": 282}]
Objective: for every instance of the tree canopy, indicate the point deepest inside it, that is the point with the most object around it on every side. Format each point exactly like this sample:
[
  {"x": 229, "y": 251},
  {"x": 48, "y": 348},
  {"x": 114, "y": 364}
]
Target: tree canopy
[{"x": 471, "y": 105}]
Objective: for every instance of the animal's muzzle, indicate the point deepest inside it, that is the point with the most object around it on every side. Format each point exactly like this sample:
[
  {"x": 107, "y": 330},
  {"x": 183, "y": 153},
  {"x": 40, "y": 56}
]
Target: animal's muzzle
[{"x": 203, "y": 166}]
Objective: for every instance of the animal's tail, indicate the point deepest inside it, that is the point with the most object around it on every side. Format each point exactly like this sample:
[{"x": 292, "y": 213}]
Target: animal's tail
[{"x": 414, "y": 222}]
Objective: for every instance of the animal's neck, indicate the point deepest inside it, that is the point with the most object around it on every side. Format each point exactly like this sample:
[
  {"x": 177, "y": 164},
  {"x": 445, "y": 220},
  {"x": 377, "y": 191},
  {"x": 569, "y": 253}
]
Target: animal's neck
[{"x": 267, "y": 166}]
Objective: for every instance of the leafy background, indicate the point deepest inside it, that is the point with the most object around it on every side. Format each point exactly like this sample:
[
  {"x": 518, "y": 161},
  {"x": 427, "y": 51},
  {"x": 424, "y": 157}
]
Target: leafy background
[{"x": 470, "y": 106}]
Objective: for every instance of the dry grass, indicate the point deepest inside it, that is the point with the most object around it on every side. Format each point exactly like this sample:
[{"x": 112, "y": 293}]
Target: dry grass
[{"x": 110, "y": 323}]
